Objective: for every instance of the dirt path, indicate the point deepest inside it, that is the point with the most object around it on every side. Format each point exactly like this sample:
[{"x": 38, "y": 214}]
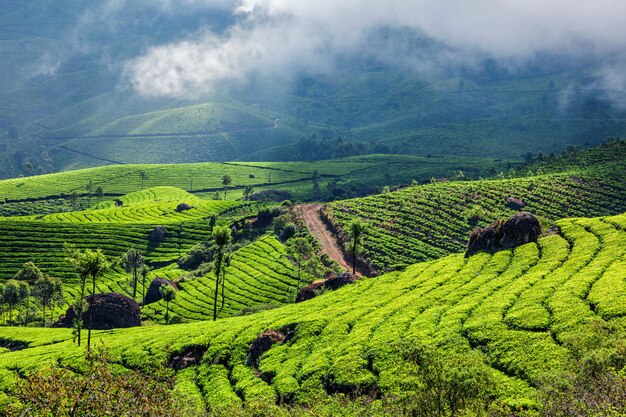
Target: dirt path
[{"x": 313, "y": 222}]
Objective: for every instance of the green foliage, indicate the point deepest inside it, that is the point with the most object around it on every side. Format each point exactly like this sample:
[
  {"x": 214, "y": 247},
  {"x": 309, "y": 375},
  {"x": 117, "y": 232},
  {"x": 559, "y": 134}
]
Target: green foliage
[
  {"x": 98, "y": 389},
  {"x": 29, "y": 273},
  {"x": 48, "y": 291}
]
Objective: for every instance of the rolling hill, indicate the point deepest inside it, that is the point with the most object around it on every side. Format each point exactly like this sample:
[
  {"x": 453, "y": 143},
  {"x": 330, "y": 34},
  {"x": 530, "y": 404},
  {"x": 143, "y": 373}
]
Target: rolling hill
[
  {"x": 516, "y": 316},
  {"x": 426, "y": 222}
]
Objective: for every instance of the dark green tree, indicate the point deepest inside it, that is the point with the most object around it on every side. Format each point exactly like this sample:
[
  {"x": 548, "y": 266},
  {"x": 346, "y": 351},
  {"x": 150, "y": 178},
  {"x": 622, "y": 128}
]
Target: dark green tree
[
  {"x": 221, "y": 240},
  {"x": 247, "y": 191},
  {"x": 99, "y": 194},
  {"x": 89, "y": 263},
  {"x": 12, "y": 296},
  {"x": 168, "y": 293},
  {"x": 90, "y": 189},
  {"x": 226, "y": 181},
  {"x": 145, "y": 270},
  {"x": 24, "y": 288},
  {"x": 356, "y": 230},
  {"x": 29, "y": 273},
  {"x": 143, "y": 175},
  {"x": 132, "y": 262},
  {"x": 47, "y": 291},
  {"x": 299, "y": 250}
]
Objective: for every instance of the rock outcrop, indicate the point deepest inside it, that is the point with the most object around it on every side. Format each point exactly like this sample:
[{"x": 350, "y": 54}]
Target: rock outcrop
[
  {"x": 158, "y": 233},
  {"x": 263, "y": 343},
  {"x": 333, "y": 283},
  {"x": 515, "y": 203},
  {"x": 520, "y": 229},
  {"x": 154, "y": 294},
  {"x": 110, "y": 310},
  {"x": 183, "y": 207}
]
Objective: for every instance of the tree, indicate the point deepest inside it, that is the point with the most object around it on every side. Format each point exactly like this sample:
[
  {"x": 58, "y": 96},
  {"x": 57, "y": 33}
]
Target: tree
[
  {"x": 132, "y": 262},
  {"x": 226, "y": 181},
  {"x": 12, "y": 296},
  {"x": 356, "y": 230},
  {"x": 24, "y": 296},
  {"x": 2, "y": 300},
  {"x": 212, "y": 220},
  {"x": 88, "y": 263},
  {"x": 299, "y": 250},
  {"x": 90, "y": 188},
  {"x": 47, "y": 291},
  {"x": 144, "y": 275},
  {"x": 315, "y": 176},
  {"x": 247, "y": 192},
  {"x": 143, "y": 175},
  {"x": 29, "y": 273},
  {"x": 221, "y": 240},
  {"x": 99, "y": 194},
  {"x": 168, "y": 293}
]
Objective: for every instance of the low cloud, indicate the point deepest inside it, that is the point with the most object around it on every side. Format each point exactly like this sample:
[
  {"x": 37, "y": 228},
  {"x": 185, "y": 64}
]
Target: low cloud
[{"x": 282, "y": 37}]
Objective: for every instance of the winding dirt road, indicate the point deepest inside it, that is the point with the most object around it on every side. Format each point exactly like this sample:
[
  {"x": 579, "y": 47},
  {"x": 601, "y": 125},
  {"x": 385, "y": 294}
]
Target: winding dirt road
[{"x": 313, "y": 222}]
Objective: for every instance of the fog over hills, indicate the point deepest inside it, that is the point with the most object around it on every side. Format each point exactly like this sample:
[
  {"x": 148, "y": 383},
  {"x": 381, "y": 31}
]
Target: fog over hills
[{"x": 92, "y": 83}]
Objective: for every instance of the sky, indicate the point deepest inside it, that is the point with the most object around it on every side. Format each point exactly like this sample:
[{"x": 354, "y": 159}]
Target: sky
[{"x": 281, "y": 38}]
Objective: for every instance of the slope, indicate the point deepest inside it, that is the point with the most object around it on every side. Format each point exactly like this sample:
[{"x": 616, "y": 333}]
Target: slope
[
  {"x": 426, "y": 222},
  {"x": 516, "y": 315}
]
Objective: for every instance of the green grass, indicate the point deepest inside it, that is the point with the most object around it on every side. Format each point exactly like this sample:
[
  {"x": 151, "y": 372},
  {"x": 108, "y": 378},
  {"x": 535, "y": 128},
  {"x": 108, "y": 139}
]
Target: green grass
[{"x": 519, "y": 309}]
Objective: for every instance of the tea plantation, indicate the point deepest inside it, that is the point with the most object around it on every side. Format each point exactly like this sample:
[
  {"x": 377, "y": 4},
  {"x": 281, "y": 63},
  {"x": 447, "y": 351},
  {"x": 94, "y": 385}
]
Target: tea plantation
[
  {"x": 427, "y": 222},
  {"x": 517, "y": 314}
]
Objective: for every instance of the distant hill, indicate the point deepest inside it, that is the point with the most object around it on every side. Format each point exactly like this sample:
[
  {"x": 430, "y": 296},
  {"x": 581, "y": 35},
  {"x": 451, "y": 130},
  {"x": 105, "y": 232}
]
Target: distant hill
[{"x": 65, "y": 103}]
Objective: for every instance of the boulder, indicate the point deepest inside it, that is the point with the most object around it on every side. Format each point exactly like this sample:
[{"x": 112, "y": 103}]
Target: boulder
[
  {"x": 515, "y": 203},
  {"x": 191, "y": 356},
  {"x": 263, "y": 343},
  {"x": 158, "y": 233},
  {"x": 154, "y": 294},
  {"x": 183, "y": 207},
  {"x": 333, "y": 283},
  {"x": 110, "y": 310},
  {"x": 520, "y": 229},
  {"x": 486, "y": 239}
]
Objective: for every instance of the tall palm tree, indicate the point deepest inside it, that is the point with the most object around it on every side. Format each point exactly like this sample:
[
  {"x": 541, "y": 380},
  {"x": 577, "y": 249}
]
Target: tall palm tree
[
  {"x": 221, "y": 240},
  {"x": 356, "y": 230}
]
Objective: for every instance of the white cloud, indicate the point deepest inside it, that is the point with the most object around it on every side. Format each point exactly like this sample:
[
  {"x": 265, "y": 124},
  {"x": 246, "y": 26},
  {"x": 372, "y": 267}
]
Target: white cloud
[{"x": 284, "y": 36}]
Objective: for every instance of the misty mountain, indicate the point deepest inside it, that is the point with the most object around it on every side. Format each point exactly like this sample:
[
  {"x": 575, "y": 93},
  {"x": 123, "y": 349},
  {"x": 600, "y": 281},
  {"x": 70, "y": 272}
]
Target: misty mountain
[{"x": 187, "y": 81}]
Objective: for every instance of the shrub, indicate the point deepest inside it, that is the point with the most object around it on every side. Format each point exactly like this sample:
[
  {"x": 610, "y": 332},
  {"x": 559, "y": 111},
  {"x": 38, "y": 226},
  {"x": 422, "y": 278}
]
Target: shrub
[{"x": 100, "y": 389}]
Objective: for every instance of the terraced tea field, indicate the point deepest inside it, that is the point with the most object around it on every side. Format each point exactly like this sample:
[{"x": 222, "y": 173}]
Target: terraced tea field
[
  {"x": 427, "y": 222},
  {"x": 519, "y": 310},
  {"x": 259, "y": 273},
  {"x": 116, "y": 229}
]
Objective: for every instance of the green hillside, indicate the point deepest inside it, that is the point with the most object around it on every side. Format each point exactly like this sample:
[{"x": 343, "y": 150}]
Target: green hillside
[
  {"x": 355, "y": 176},
  {"x": 426, "y": 222},
  {"x": 259, "y": 274},
  {"x": 516, "y": 316}
]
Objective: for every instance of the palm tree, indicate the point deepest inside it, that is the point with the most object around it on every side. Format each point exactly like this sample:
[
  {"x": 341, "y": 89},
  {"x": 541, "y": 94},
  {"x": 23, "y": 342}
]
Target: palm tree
[
  {"x": 299, "y": 250},
  {"x": 221, "y": 240},
  {"x": 88, "y": 263},
  {"x": 132, "y": 262},
  {"x": 169, "y": 294},
  {"x": 356, "y": 230}
]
